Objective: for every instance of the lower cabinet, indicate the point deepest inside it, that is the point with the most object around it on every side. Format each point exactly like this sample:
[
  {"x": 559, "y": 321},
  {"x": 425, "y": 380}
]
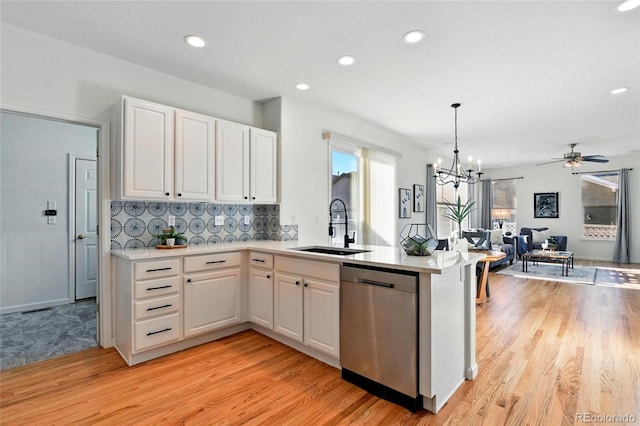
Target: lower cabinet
[
  {"x": 212, "y": 301},
  {"x": 307, "y": 303},
  {"x": 261, "y": 297}
]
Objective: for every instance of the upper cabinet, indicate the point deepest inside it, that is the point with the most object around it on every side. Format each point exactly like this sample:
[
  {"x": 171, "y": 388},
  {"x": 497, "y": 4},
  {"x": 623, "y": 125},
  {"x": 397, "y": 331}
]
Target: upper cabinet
[
  {"x": 246, "y": 163},
  {"x": 164, "y": 153},
  {"x": 194, "y": 152},
  {"x": 148, "y": 133}
]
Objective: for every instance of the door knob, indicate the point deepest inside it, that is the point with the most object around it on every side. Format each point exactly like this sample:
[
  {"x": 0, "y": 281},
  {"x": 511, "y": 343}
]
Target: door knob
[{"x": 82, "y": 237}]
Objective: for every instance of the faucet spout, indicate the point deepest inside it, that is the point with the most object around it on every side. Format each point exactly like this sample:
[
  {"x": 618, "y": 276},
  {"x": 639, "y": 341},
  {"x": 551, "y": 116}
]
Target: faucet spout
[{"x": 347, "y": 240}]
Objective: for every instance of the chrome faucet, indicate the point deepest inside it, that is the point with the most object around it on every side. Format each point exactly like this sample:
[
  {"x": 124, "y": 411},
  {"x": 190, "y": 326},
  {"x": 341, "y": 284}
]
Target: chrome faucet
[{"x": 347, "y": 240}]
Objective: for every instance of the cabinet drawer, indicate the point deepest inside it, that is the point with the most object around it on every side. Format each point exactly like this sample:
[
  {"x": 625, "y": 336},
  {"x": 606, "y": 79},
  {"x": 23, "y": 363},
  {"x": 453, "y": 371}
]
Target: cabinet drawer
[
  {"x": 157, "y": 331},
  {"x": 157, "y": 269},
  {"x": 211, "y": 261},
  {"x": 157, "y": 306},
  {"x": 152, "y": 288},
  {"x": 260, "y": 260}
]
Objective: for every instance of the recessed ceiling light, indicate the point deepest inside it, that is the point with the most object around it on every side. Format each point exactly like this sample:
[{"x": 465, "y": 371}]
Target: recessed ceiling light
[
  {"x": 619, "y": 90},
  {"x": 628, "y": 5},
  {"x": 346, "y": 60},
  {"x": 413, "y": 36},
  {"x": 302, "y": 86},
  {"x": 195, "y": 41}
]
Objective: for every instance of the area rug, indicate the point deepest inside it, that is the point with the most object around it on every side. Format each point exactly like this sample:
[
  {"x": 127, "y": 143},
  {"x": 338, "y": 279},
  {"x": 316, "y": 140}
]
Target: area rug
[{"x": 551, "y": 272}]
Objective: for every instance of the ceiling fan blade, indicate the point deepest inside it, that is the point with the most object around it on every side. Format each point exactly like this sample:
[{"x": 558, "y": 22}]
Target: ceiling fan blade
[
  {"x": 588, "y": 157},
  {"x": 549, "y": 162},
  {"x": 596, "y": 160}
]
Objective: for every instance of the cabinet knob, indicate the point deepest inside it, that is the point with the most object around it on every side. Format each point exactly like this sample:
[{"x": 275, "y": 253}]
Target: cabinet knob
[
  {"x": 297, "y": 282},
  {"x": 306, "y": 285},
  {"x": 179, "y": 194},
  {"x": 253, "y": 198},
  {"x": 268, "y": 276},
  {"x": 166, "y": 193},
  {"x": 189, "y": 280},
  {"x": 246, "y": 198}
]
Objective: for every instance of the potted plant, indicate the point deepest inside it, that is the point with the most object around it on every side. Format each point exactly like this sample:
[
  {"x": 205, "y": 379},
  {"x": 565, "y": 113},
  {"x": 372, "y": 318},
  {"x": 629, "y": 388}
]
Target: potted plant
[
  {"x": 170, "y": 237},
  {"x": 458, "y": 212},
  {"x": 551, "y": 243}
]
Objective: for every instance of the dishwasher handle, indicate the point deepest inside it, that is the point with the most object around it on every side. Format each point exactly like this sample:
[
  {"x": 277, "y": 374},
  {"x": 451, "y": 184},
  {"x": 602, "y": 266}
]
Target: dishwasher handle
[{"x": 371, "y": 282}]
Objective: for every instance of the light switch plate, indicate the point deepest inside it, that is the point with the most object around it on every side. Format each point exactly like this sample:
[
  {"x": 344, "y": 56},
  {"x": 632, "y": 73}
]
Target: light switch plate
[
  {"x": 171, "y": 221},
  {"x": 247, "y": 220},
  {"x": 51, "y": 220},
  {"x": 219, "y": 220}
]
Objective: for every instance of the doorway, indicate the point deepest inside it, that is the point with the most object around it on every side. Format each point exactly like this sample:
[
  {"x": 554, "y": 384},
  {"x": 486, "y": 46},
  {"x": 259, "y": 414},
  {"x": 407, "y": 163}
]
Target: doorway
[{"x": 40, "y": 317}]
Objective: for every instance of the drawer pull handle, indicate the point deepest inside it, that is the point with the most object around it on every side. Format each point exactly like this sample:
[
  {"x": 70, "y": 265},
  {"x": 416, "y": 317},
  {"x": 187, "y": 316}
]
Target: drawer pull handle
[
  {"x": 159, "y": 307},
  {"x": 159, "y": 288},
  {"x": 216, "y": 261},
  {"x": 258, "y": 260},
  {"x": 168, "y": 268},
  {"x": 151, "y": 333}
]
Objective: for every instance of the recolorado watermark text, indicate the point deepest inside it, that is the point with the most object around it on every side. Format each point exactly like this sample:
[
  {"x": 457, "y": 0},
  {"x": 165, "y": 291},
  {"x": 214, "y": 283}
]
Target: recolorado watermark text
[{"x": 605, "y": 418}]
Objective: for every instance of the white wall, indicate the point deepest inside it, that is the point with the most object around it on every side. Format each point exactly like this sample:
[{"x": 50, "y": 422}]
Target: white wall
[
  {"x": 35, "y": 168},
  {"x": 304, "y": 156},
  {"x": 556, "y": 178},
  {"x": 45, "y": 74}
]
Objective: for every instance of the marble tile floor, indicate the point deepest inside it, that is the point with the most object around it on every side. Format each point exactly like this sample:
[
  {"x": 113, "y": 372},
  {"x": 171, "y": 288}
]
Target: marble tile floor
[{"x": 38, "y": 335}]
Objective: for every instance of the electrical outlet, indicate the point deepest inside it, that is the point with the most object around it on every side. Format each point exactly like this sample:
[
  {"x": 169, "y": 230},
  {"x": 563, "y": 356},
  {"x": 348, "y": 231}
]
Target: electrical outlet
[
  {"x": 51, "y": 220},
  {"x": 219, "y": 220},
  {"x": 247, "y": 220},
  {"x": 171, "y": 221}
]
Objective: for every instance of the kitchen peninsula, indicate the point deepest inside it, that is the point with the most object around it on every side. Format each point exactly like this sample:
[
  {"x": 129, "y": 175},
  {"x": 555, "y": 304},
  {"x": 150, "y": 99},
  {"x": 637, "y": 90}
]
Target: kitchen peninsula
[{"x": 169, "y": 300}]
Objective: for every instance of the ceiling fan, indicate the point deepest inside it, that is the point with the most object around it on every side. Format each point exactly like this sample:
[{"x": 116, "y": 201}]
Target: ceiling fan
[{"x": 574, "y": 159}]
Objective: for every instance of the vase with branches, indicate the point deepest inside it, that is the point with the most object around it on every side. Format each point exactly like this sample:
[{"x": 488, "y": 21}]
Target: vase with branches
[{"x": 458, "y": 212}]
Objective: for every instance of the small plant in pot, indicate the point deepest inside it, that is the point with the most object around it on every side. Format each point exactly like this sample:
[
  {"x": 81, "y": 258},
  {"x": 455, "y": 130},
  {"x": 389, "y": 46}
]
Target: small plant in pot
[
  {"x": 170, "y": 237},
  {"x": 552, "y": 244}
]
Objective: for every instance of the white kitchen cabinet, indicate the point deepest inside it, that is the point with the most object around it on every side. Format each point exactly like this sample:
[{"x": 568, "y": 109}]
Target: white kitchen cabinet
[
  {"x": 260, "y": 303},
  {"x": 148, "y": 133},
  {"x": 164, "y": 153},
  {"x": 212, "y": 292},
  {"x": 322, "y": 316},
  {"x": 288, "y": 306},
  {"x": 307, "y": 303},
  {"x": 194, "y": 156},
  {"x": 246, "y": 163}
]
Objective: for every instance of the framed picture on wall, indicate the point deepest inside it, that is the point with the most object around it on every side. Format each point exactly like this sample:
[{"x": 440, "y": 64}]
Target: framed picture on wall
[
  {"x": 418, "y": 198},
  {"x": 545, "y": 205},
  {"x": 404, "y": 202}
]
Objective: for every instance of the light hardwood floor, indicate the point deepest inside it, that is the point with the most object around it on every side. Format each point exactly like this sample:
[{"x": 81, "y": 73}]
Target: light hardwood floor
[{"x": 546, "y": 351}]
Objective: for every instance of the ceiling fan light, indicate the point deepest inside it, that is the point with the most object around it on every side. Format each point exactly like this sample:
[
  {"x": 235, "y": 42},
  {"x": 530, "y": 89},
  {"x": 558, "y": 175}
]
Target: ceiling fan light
[
  {"x": 628, "y": 5},
  {"x": 620, "y": 89}
]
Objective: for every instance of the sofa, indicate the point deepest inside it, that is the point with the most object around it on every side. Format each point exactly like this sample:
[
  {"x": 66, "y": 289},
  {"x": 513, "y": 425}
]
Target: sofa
[
  {"x": 532, "y": 239},
  {"x": 483, "y": 239}
]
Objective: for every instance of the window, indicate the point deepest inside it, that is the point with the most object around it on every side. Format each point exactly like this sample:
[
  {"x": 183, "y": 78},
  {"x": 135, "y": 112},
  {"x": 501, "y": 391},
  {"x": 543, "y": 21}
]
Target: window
[
  {"x": 599, "y": 192},
  {"x": 446, "y": 195},
  {"x": 365, "y": 179},
  {"x": 503, "y": 202},
  {"x": 345, "y": 185}
]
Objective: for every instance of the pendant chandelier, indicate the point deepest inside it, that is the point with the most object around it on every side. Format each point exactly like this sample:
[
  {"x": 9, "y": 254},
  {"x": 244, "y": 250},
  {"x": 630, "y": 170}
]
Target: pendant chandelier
[{"x": 458, "y": 172}]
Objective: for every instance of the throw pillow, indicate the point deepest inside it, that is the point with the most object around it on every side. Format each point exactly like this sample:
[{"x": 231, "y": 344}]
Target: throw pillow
[
  {"x": 539, "y": 236},
  {"x": 496, "y": 237}
]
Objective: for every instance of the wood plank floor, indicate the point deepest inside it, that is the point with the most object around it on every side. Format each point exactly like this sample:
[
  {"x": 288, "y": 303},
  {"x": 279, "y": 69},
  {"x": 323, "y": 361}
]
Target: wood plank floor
[{"x": 546, "y": 351}]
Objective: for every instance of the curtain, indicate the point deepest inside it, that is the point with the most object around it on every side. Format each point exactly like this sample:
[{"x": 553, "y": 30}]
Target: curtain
[
  {"x": 475, "y": 194},
  {"x": 486, "y": 204},
  {"x": 431, "y": 201},
  {"x": 379, "y": 190},
  {"x": 621, "y": 252}
]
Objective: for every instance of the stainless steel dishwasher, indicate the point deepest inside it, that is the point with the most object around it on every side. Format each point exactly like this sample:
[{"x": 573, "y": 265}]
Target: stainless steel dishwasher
[{"x": 379, "y": 332}]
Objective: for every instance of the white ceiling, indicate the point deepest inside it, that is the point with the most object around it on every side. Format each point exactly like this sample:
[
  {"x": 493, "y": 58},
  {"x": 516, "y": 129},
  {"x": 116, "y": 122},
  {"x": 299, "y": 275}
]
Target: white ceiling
[{"x": 532, "y": 76}]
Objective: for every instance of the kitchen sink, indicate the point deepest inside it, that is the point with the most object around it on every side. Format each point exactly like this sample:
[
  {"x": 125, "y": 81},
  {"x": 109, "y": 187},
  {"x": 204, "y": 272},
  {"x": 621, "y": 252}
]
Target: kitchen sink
[{"x": 330, "y": 250}]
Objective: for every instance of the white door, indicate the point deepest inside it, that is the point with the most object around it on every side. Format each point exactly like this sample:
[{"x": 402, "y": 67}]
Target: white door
[
  {"x": 194, "y": 155},
  {"x": 232, "y": 161},
  {"x": 86, "y": 221},
  {"x": 322, "y": 316},
  {"x": 264, "y": 166},
  {"x": 288, "y": 306},
  {"x": 261, "y": 297}
]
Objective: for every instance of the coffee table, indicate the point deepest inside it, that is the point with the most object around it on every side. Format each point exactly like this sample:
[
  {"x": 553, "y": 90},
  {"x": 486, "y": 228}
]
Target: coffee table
[{"x": 565, "y": 258}]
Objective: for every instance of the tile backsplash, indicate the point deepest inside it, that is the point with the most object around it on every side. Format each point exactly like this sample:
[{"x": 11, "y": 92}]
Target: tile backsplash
[{"x": 133, "y": 223}]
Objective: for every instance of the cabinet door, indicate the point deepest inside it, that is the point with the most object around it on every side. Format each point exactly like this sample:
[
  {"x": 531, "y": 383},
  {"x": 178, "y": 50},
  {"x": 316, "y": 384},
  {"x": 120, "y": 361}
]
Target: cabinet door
[
  {"x": 194, "y": 151},
  {"x": 322, "y": 316},
  {"x": 212, "y": 301},
  {"x": 148, "y": 150},
  {"x": 288, "y": 306},
  {"x": 261, "y": 297},
  {"x": 264, "y": 166},
  {"x": 232, "y": 161}
]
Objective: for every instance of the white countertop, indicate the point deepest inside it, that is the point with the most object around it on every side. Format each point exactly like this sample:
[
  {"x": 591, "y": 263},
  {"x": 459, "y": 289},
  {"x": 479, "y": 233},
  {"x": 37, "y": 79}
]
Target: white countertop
[{"x": 389, "y": 257}]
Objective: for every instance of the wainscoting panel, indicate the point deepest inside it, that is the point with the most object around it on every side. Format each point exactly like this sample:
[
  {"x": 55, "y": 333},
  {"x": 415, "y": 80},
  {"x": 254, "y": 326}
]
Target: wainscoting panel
[{"x": 35, "y": 271}]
